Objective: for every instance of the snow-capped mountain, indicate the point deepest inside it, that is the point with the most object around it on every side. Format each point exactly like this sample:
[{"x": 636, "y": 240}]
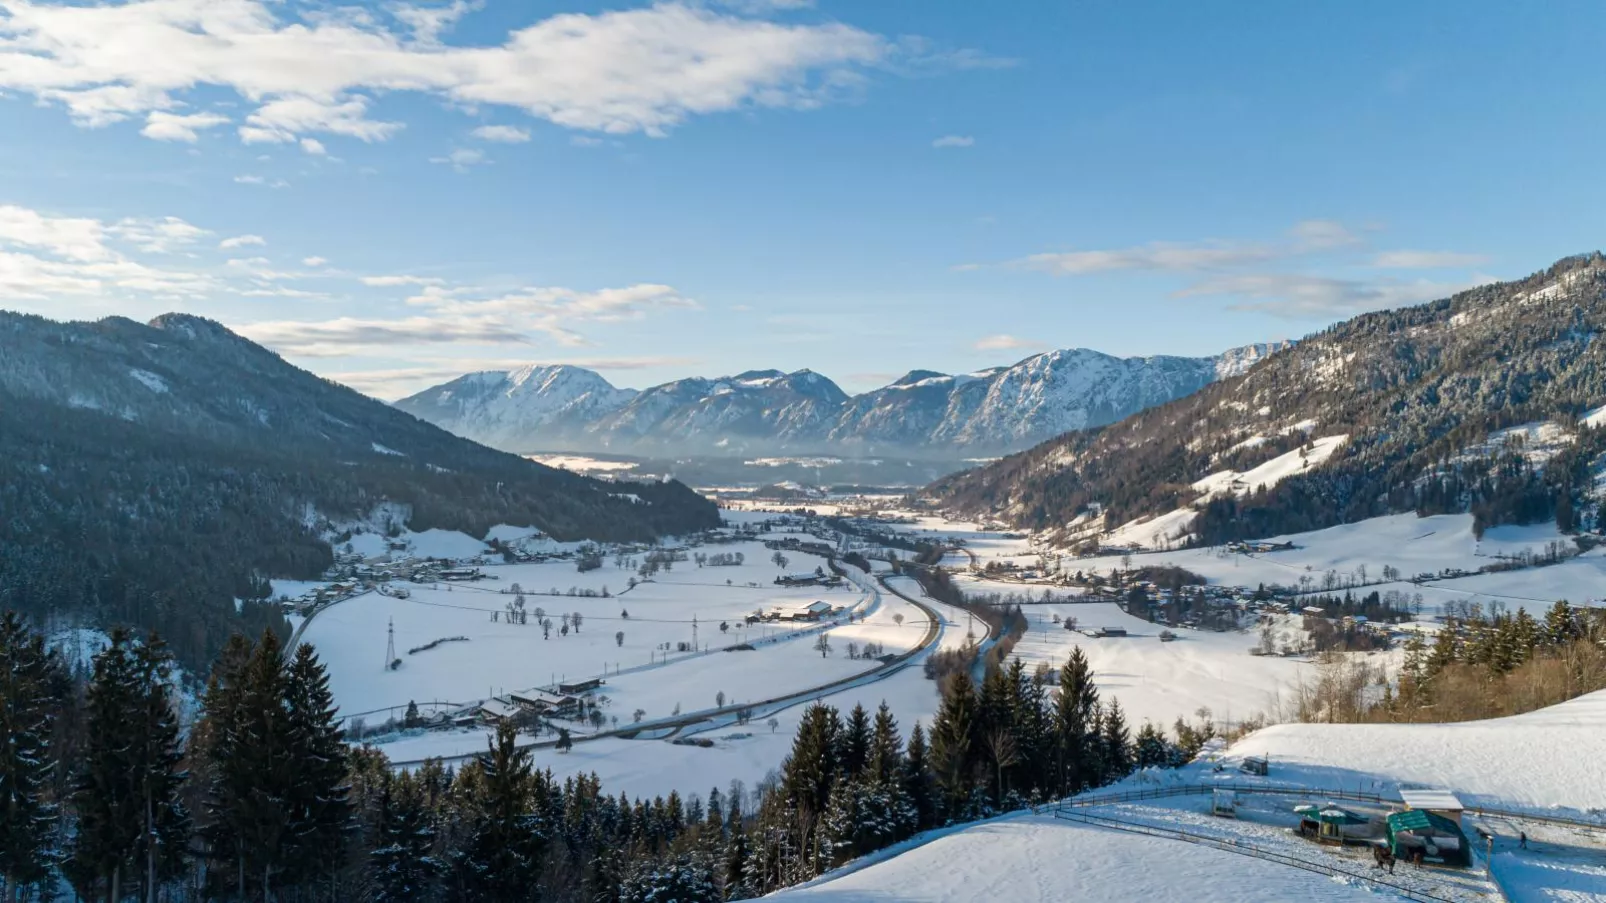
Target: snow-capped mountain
[
  {"x": 503, "y": 409},
  {"x": 1489, "y": 401},
  {"x": 995, "y": 410}
]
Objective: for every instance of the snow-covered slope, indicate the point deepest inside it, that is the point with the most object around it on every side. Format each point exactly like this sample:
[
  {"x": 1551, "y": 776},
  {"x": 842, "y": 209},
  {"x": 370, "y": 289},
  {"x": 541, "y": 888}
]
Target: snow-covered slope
[
  {"x": 506, "y": 409},
  {"x": 997, "y": 409},
  {"x": 1544, "y": 761},
  {"x": 1041, "y": 858}
]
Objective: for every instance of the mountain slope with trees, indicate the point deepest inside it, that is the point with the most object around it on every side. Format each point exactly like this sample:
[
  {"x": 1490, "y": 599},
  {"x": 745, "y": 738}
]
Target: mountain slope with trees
[
  {"x": 154, "y": 474},
  {"x": 1422, "y": 394}
]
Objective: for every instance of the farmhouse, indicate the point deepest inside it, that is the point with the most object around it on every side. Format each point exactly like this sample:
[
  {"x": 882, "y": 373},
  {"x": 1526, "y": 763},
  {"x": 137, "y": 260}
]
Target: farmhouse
[
  {"x": 496, "y": 710},
  {"x": 543, "y": 702},
  {"x": 810, "y": 612}
]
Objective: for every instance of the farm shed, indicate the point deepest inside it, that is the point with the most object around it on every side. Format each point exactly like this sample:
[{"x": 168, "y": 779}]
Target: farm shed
[{"x": 1436, "y": 838}]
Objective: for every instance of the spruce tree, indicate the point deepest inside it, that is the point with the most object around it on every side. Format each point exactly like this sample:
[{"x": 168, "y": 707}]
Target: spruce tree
[
  {"x": 855, "y": 754},
  {"x": 320, "y": 815},
  {"x": 29, "y": 678},
  {"x": 917, "y": 779},
  {"x": 502, "y": 861},
  {"x": 401, "y": 868},
  {"x": 1075, "y": 711},
  {"x": 955, "y": 741},
  {"x": 886, "y": 748},
  {"x": 216, "y": 764},
  {"x": 1117, "y": 743},
  {"x": 131, "y": 826}
]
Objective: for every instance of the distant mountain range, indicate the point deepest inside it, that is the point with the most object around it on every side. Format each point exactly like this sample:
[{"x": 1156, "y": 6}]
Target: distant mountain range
[
  {"x": 1489, "y": 401},
  {"x": 991, "y": 411}
]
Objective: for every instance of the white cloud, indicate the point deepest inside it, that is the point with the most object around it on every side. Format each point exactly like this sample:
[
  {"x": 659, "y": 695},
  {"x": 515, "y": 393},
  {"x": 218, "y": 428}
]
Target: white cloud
[
  {"x": 462, "y": 159},
  {"x": 75, "y": 238},
  {"x": 505, "y": 134},
  {"x": 392, "y": 281},
  {"x": 585, "y": 141},
  {"x": 429, "y": 21},
  {"x": 314, "y": 262},
  {"x": 1153, "y": 256},
  {"x": 1004, "y": 343},
  {"x": 314, "y": 146},
  {"x": 260, "y": 180},
  {"x": 162, "y": 126},
  {"x": 1306, "y": 237},
  {"x": 1296, "y": 295},
  {"x": 241, "y": 241},
  {"x": 954, "y": 141},
  {"x": 646, "y": 69},
  {"x": 157, "y": 236},
  {"x": 1425, "y": 260}
]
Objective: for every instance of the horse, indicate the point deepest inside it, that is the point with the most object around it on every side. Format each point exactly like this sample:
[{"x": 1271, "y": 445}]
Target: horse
[{"x": 1383, "y": 857}]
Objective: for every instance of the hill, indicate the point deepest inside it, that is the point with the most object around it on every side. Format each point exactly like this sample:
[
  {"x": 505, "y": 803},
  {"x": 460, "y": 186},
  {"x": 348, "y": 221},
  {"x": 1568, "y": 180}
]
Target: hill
[
  {"x": 151, "y": 474},
  {"x": 994, "y": 410},
  {"x": 1480, "y": 402}
]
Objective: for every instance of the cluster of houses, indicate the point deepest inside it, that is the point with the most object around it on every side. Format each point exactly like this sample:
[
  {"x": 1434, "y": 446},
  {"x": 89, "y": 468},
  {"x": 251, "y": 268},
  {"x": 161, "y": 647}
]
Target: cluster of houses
[
  {"x": 808, "y": 579},
  {"x": 564, "y": 701}
]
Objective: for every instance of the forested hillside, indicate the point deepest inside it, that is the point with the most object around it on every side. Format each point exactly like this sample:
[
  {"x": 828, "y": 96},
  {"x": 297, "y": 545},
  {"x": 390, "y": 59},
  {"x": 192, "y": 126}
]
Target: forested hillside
[
  {"x": 151, "y": 474},
  {"x": 1467, "y": 403}
]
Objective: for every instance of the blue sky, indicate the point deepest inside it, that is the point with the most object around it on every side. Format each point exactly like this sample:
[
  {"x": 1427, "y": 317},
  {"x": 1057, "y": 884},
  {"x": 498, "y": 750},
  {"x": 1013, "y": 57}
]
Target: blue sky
[{"x": 394, "y": 193}]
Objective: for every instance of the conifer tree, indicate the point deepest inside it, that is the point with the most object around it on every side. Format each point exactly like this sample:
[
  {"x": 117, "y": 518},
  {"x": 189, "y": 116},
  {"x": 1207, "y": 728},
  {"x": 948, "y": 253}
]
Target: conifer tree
[
  {"x": 1074, "y": 713},
  {"x": 402, "y": 867},
  {"x": 855, "y": 742},
  {"x": 886, "y": 748},
  {"x": 955, "y": 740},
  {"x": 502, "y": 859},
  {"x": 131, "y": 827},
  {"x": 917, "y": 779},
  {"x": 320, "y": 816},
  {"x": 1117, "y": 743},
  {"x": 29, "y": 680}
]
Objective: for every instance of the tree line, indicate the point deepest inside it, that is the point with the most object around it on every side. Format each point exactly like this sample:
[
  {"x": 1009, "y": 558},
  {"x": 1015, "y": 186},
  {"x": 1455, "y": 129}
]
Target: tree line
[{"x": 263, "y": 799}]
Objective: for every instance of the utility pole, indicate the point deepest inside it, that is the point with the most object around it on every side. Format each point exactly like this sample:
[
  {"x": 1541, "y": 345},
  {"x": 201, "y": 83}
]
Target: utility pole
[
  {"x": 390, "y": 647},
  {"x": 694, "y": 633}
]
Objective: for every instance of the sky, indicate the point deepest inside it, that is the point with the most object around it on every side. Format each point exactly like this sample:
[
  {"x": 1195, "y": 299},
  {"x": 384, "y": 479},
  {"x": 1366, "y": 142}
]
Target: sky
[{"x": 391, "y": 194}]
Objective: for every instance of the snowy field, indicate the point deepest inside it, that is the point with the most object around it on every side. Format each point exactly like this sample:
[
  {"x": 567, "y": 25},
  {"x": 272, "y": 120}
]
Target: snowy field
[
  {"x": 1041, "y": 858},
  {"x": 498, "y": 656},
  {"x": 1157, "y": 681},
  {"x": 741, "y": 752},
  {"x": 1414, "y": 545}
]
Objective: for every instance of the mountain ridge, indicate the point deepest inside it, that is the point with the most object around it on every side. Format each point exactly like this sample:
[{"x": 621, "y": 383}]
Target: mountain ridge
[
  {"x": 1416, "y": 408},
  {"x": 990, "y": 410}
]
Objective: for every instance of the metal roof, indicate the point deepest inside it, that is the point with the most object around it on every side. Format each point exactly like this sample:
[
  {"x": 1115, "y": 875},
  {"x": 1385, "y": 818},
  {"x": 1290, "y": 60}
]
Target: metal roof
[{"x": 1431, "y": 799}]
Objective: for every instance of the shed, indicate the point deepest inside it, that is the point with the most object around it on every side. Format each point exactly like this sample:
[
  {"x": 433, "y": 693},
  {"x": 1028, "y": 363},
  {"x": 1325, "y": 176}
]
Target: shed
[
  {"x": 1260, "y": 765},
  {"x": 577, "y": 687},
  {"x": 1439, "y": 802},
  {"x": 1328, "y": 823},
  {"x": 1418, "y": 832}
]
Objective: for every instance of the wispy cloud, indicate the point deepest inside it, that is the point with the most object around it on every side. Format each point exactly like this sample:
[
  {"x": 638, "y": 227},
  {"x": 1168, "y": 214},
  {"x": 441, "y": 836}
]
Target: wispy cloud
[
  {"x": 1295, "y": 295},
  {"x": 504, "y": 134},
  {"x": 462, "y": 159},
  {"x": 163, "y": 126},
  {"x": 954, "y": 141},
  {"x": 241, "y": 241},
  {"x": 1426, "y": 260},
  {"x": 1004, "y": 342}
]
